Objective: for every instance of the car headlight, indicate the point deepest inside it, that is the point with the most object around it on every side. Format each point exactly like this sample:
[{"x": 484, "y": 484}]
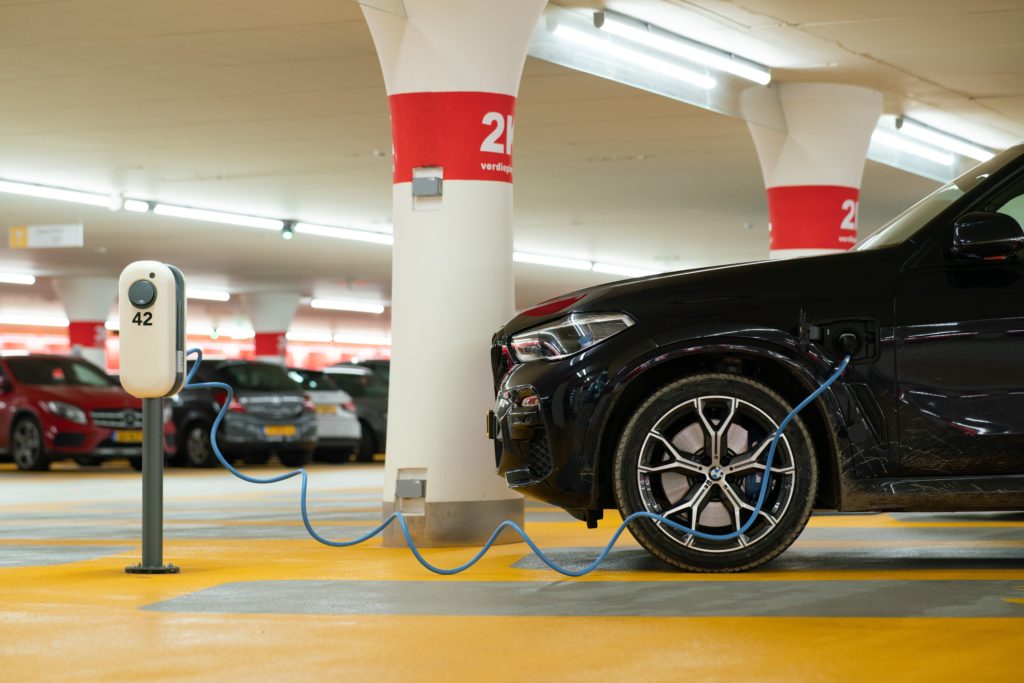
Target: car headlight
[
  {"x": 569, "y": 335},
  {"x": 68, "y": 412}
]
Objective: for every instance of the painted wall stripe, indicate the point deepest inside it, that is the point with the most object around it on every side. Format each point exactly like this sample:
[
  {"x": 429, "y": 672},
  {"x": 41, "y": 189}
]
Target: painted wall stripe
[
  {"x": 469, "y": 134},
  {"x": 813, "y": 216}
]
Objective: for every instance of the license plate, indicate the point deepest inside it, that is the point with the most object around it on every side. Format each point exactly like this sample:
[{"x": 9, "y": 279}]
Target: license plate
[
  {"x": 128, "y": 436},
  {"x": 279, "y": 430},
  {"x": 327, "y": 410}
]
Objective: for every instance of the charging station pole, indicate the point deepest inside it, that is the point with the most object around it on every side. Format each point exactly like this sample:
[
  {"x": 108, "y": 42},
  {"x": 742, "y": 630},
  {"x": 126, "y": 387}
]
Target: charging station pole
[
  {"x": 152, "y": 491},
  {"x": 151, "y": 305}
]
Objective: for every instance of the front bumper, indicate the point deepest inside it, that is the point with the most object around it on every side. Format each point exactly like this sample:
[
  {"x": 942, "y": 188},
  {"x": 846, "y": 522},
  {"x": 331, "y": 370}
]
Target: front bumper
[
  {"x": 64, "y": 439},
  {"x": 546, "y": 414},
  {"x": 241, "y": 432}
]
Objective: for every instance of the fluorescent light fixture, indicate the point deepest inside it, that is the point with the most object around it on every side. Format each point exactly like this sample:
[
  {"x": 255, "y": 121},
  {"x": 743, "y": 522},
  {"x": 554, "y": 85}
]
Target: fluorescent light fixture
[
  {"x": 367, "y": 339},
  {"x": 556, "y": 261},
  {"x": 911, "y": 147},
  {"x": 17, "y": 279},
  {"x": 356, "y": 306},
  {"x": 307, "y": 336},
  {"x": 14, "y": 352},
  {"x": 207, "y": 294},
  {"x": 344, "y": 233},
  {"x": 58, "y": 193},
  {"x": 34, "y": 320},
  {"x": 627, "y": 271},
  {"x": 630, "y": 56},
  {"x": 136, "y": 205},
  {"x": 663, "y": 41},
  {"x": 230, "y": 331},
  {"x": 113, "y": 325},
  {"x": 942, "y": 140},
  {"x": 218, "y": 217}
]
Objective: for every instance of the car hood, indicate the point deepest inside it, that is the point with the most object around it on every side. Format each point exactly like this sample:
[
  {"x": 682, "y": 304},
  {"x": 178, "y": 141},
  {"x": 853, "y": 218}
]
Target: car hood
[
  {"x": 733, "y": 292},
  {"x": 93, "y": 398}
]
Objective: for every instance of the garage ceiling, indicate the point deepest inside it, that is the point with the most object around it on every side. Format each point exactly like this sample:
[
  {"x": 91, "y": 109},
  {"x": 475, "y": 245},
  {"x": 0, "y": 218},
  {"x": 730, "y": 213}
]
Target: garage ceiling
[{"x": 279, "y": 109}]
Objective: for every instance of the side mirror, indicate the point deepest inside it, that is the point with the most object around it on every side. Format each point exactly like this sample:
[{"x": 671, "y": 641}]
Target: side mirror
[{"x": 984, "y": 234}]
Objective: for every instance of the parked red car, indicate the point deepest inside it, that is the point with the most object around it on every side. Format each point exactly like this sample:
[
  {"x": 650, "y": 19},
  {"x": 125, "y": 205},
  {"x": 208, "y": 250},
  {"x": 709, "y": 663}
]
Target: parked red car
[{"x": 55, "y": 407}]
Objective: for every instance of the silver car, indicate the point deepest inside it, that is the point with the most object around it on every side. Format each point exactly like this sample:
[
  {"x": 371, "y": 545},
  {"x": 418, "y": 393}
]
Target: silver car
[{"x": 337, "y": 424}]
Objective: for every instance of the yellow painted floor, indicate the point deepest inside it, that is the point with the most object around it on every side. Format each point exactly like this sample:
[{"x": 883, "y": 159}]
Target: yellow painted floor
[{"x": 68, "y": 612}]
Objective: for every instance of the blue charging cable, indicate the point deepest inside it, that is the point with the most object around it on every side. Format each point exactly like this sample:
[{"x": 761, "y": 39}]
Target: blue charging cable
[{"x": 508, "y": 524}]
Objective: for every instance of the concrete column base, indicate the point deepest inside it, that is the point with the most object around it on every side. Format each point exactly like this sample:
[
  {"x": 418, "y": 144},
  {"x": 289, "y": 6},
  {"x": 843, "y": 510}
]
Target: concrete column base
[{"x": 459, "y": 523}]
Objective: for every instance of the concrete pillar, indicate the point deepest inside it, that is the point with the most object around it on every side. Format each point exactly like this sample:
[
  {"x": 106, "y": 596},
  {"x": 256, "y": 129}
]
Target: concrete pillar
[
  {"x": 87, "y": 302},
  {"x": 271, "y": 314},
  {"x": 812, "y": 171},
  {"x": 452, "y": 71}
]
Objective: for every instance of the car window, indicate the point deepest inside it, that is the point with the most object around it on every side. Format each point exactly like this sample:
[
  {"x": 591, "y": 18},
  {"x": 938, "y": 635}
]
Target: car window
[
  {"x": 1015, "y": 209},
  {"x": 258, "y": 377},
  {"x": 312, "y": 381},
  {"x": 1010, "y": 202},
  {"x": 376, "y": 386},
  {"x": 354, "y": 384},
  {"x": 919, "y": 215},
  {"x": 57, "y": 372}
]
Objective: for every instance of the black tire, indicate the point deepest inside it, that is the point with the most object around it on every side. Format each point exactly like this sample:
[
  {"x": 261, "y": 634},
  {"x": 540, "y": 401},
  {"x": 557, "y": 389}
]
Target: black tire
[
  {"x": 663, "y": 453},
  {"x": 367, "y": 444},
  {"x": 135, "y": 463},
  {"x": 196, "y": 445},
  {"x": 295, "y": 458},
  {"x": 27, "y": 449},
  {"x": 88, "y": 461}
]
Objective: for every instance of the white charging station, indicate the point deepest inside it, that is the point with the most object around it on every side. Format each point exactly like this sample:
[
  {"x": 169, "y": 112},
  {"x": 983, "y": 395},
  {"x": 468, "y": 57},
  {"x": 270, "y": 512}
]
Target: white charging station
[{"x": 151, "y": 309}]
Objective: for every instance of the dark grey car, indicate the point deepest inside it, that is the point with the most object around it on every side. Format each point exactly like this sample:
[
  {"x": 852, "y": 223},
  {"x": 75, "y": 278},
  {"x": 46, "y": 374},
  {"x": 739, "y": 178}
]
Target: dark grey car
[
  {"x": 369, "y": 390},
  {"x": 269, "y": 415}
]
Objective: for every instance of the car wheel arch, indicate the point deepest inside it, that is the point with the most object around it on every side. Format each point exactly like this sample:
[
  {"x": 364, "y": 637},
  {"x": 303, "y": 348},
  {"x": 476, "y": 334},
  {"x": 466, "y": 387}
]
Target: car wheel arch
[
  {"x": 785, "y": 373},
  {"x": 21, "y": 414}
]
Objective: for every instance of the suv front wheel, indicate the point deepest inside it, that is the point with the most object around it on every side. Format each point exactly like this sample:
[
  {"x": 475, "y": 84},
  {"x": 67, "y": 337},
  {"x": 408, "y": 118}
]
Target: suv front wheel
[{"x": 695, "y": 453}]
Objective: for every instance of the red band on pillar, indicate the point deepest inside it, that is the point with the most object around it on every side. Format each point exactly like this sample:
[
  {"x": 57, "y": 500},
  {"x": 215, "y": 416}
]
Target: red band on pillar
[
  {"x": 270, "y": 343},
  {"x": 469, "y": 134},
  {"x": 813, "y": 216},
  {"x": 89, "y": 335}
]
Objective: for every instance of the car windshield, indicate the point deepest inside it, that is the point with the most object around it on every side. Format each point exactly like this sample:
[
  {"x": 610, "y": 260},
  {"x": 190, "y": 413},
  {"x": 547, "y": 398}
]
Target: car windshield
[
  {"x": 312, "y": 381},
  {"x": 916, "y": 217},
  {"x": 58, "y": 372},
  {"x": 258, "y": 377}
]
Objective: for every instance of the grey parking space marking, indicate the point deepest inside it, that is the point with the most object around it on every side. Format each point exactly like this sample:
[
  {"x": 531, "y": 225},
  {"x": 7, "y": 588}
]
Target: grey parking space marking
[
  {"x": 47, "y": 555},
  {"x": 805, "y": 559},
  {"x": 610, "y": 598}
]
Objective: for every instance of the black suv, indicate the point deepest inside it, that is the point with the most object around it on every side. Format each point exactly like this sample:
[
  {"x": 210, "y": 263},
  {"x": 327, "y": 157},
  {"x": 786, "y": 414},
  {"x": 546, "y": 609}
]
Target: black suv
[
  {"x": 270, "y": 414},
  {"x": 661, "y": 393}
]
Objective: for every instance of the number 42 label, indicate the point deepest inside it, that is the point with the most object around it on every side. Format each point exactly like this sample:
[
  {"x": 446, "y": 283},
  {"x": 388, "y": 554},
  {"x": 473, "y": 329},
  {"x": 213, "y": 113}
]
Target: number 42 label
[{"x": 143, "y": 319}]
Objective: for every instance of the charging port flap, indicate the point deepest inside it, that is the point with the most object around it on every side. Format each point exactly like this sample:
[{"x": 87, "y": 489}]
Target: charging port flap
[{"x": 856, "y": 337}]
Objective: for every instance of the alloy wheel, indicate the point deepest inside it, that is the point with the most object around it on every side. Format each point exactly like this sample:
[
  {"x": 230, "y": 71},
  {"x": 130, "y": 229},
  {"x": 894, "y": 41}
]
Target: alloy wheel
[
  {"x": 702, "y": 465},
  {"x": 197, "y": 447},
  {"x": 27, "y": 445}
]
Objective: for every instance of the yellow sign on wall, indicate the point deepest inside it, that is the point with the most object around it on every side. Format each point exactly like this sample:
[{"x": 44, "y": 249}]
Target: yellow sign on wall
[
  {"x": 18, "y": 237},
  {"x": 55, "y": 236}
]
